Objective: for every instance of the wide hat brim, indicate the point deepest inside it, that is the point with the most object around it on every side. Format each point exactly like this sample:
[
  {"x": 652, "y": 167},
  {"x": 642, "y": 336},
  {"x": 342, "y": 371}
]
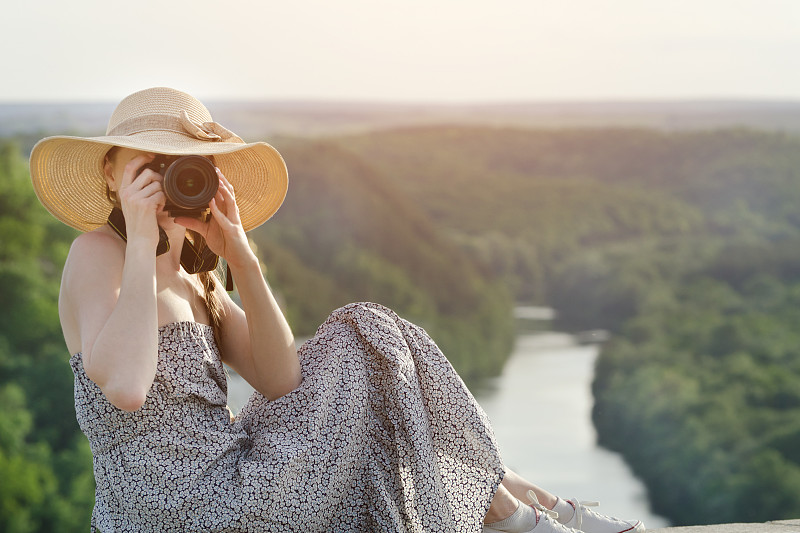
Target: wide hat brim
[{"x": 67, "y": 173}]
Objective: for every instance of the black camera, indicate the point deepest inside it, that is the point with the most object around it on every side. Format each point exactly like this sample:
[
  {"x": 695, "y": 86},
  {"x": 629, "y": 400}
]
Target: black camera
[{"x": 190, "y": 182}]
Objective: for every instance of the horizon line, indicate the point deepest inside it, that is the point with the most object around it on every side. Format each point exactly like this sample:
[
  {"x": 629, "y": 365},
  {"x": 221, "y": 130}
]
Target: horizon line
[{"x": 434, "y": 103}]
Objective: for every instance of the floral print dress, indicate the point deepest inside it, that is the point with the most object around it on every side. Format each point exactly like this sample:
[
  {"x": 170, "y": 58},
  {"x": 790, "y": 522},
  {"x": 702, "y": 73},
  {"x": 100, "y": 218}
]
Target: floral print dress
[{"x": 382, "y": 435}]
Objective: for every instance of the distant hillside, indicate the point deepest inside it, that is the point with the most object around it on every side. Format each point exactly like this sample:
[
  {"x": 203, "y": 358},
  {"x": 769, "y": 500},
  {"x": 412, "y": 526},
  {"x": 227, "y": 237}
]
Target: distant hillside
[
  {"x": 259, "y": 120},
  {"x": 345, "y": 233},
  {"x": 527, "y": 201}
]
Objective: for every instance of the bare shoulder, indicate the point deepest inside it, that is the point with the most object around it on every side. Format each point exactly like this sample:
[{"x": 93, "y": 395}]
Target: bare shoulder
[
  {"x": 93, "y": 256},
  {"x": 94, "y": 242},
  {"x": 91, "y": 279}
]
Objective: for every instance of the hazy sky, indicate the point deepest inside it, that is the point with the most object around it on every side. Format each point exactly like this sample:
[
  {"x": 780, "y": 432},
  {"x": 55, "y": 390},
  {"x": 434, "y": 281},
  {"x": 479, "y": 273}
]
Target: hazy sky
[{"x": 414, "y": 50}]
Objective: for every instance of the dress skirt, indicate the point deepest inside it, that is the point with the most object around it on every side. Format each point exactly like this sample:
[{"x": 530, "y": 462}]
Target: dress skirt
[{"x": 382, "y": 435}]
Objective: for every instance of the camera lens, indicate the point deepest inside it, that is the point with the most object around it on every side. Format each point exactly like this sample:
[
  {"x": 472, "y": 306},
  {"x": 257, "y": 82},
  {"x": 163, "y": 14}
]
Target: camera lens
[{"x": 190, "y": 183}]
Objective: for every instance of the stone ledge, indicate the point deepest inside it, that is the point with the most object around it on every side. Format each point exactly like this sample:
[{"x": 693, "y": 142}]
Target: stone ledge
[{"x": 780, "y": 526}]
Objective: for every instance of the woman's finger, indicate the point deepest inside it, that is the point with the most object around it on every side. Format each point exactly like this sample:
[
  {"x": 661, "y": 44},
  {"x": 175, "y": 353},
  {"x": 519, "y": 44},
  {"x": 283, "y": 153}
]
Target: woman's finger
[
  {"x": 148, "y": 178},
  {"x": 152, "y": 193},
  {"x": 226, "y": 186},
  {"x": 224, "y": 180},
  {"x": 150, "y": 189},
  {"x": 221, "y": 218},
  {"x": 228, "y": 199},
  {"x": 131, "y": 171}
]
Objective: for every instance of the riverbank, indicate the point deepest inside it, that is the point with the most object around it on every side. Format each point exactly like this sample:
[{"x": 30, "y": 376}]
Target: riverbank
[
  {"x": 778, "y": 526},
  {"x": 540, "y": 410}
]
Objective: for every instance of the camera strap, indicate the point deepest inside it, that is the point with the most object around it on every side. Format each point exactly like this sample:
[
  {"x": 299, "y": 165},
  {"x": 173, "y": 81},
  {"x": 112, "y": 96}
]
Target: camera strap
[
  {"x": 117, "y": 222},
  {"x": 192, "y": 259}
]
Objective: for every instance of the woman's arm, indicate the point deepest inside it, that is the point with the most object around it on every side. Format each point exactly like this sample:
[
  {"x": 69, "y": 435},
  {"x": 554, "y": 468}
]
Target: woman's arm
[
  {"x": 256, "y": 341},
  {"x": 111, "y": 302},
  {"x": 108, "y": 296}
]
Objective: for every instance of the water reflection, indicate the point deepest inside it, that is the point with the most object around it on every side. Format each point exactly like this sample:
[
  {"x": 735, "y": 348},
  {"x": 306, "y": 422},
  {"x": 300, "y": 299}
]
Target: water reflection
[{"x": 540, "y": 408}]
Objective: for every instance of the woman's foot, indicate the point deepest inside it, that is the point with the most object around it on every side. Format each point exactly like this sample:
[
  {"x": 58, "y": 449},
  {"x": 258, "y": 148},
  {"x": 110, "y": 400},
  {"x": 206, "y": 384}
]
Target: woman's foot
[
  {"x": 589, "y": 521},
  {"x": 533, "y": 518},
  {"x": 576, "y": 519}
]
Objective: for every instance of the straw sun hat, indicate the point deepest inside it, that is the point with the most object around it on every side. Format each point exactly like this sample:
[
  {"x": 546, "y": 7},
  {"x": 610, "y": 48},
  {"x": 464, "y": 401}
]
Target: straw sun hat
[{"x": 67, "y": 172}]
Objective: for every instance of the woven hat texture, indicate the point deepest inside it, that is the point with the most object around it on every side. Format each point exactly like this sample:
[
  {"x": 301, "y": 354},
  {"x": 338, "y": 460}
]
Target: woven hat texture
[{"x": 67, "y": 172}]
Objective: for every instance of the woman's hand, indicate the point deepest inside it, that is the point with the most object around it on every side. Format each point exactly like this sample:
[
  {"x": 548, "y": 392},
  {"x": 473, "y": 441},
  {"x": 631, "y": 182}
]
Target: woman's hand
[
  {"x": 142, "y": 197},
  {"x": 223, "y": 232},
  {"x": 256, "y": 339}
]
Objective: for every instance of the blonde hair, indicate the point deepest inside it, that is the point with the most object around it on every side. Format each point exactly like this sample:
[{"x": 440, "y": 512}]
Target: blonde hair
[{"x": 210, "y": 281}]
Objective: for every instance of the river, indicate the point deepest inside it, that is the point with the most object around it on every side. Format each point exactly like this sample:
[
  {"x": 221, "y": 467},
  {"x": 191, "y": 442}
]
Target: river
[{"x": 540, "y": 408}]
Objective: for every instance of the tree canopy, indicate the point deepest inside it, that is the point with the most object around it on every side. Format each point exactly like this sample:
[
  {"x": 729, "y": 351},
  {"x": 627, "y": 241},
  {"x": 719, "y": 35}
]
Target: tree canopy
[{"x": 685, "y": 245}]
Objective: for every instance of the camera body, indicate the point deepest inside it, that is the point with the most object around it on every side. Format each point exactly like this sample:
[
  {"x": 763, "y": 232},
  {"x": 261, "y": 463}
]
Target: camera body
[{"x": 190, "y": 182}]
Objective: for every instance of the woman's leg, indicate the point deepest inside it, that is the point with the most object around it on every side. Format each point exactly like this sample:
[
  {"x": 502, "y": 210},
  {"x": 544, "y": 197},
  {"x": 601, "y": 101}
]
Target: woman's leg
[
  {"x": 508, "y": 514},
  {"x": 503, "y": 505},
  {"x": 572, "y": 513},
  {"x": 519, "y": 487}
]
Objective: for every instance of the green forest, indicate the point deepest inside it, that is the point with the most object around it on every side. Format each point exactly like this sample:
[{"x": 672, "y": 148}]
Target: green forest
[{"x": 685, "y": 245}]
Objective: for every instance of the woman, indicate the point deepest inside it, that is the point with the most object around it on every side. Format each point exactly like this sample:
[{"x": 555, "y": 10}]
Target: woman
[{"x": 366, "y": 428}]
